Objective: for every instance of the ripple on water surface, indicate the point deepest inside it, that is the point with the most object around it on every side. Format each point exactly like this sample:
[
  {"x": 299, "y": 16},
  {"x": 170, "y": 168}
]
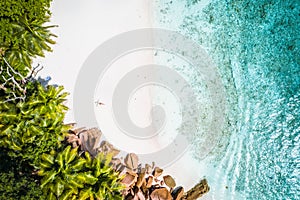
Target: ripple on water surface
[{"x": 256, "y": 47}]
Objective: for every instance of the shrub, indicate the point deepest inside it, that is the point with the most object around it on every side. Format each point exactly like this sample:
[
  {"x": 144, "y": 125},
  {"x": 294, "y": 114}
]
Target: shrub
[
  {"x": 34, "y": 126},
  {"x": 22, "y": 32},
  {"x": 31, "y": 119},
  {"x": 17, "y": 180},
  {"x": 66, "y": 175}
]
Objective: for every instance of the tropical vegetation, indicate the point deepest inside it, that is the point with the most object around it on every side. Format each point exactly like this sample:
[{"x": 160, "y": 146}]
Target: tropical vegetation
[
  {"x": 36, "y": 160},
  {"x": 40, "y": 156},
  {"x": 66, "y": 175}
]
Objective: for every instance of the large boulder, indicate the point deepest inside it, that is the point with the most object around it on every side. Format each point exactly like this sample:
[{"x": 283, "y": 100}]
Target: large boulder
[
  {"x": 131, "y": 161},
  {"x": 90, "y": 140},
  {"x": 197, "y": 191},
  {"x": 177, "y": 193},
  {"x": 169, "y": 181},
  {"x": 161, "y": 194}
]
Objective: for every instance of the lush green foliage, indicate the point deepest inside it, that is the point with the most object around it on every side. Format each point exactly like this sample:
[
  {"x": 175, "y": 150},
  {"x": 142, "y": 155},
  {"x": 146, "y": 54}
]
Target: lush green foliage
[
  {"x": 14, "y": 186},
  {"x": 30, "y": 9},
  {"x": 31, "y": 119},
  {"x": 32, "y": 127},
  {"x": 22, "y": 32},
  {"x": 17, "y": 180},
  {"x": 66, "y": 175}
]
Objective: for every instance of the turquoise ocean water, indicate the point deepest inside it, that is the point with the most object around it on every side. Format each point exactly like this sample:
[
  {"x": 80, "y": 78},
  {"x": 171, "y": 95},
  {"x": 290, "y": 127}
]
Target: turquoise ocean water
[{"x": 256, "y": 48}]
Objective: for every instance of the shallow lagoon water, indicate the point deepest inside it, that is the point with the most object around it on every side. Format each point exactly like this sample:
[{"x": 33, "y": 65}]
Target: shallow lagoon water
[{"x": 255, "y": 46}]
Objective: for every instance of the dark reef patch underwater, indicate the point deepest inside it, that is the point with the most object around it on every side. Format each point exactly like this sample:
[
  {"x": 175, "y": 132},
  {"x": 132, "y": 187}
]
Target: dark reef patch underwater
[{"x": 255, "y": 45}]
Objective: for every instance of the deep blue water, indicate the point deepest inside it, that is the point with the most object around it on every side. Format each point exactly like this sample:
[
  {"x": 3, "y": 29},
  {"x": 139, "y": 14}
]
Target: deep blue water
[{"x": 256, "y": 48}]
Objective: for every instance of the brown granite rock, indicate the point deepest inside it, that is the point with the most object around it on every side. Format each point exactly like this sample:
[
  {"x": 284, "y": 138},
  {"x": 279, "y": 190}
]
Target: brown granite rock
[
  {"x": 141, "y": 183},
  {"x": 120, "y": 168},
  {"x": 129, "y": 179},
  {"x": 73, "y": 136},
  {"x": 161, "y": 194},
  {"x": 140, "y": 179},
  {"x": 157, "y": 172},
  {"x": 148, "y": 168},
  {"x": 131, "y": 161},
  {"x": 177, "y": 193},
  {"x": 140, "y": 195},
  {"x": 197, "y": 191},
  {"x": 145, "y": 190},
  {"x": 73, "y": 139},
  {"x": 77, "y": 130},
  {"x": 108, "y": 148},
  {"x": 116, "y": 163},
  {"x": 135, "y": 190},
  {"x": 149, "y": 181},
  {"x": 90, "y": 140},
  {"x": 169, "y": 181}
]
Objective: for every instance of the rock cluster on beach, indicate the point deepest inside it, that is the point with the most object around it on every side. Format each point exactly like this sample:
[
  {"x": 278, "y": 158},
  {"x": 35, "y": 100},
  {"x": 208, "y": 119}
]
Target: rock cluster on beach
[
  {"x": 142, "y": 182},
  {"x": 149, "y": 183}
]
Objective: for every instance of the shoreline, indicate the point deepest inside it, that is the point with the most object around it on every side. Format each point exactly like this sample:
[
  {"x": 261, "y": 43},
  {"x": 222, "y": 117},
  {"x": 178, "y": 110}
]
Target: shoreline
[{"x": 63, "y": 64}]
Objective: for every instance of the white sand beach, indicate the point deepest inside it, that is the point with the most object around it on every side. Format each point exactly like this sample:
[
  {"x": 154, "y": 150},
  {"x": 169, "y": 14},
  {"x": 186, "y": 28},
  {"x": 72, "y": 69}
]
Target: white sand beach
[{"x": 84, "y": 25}]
